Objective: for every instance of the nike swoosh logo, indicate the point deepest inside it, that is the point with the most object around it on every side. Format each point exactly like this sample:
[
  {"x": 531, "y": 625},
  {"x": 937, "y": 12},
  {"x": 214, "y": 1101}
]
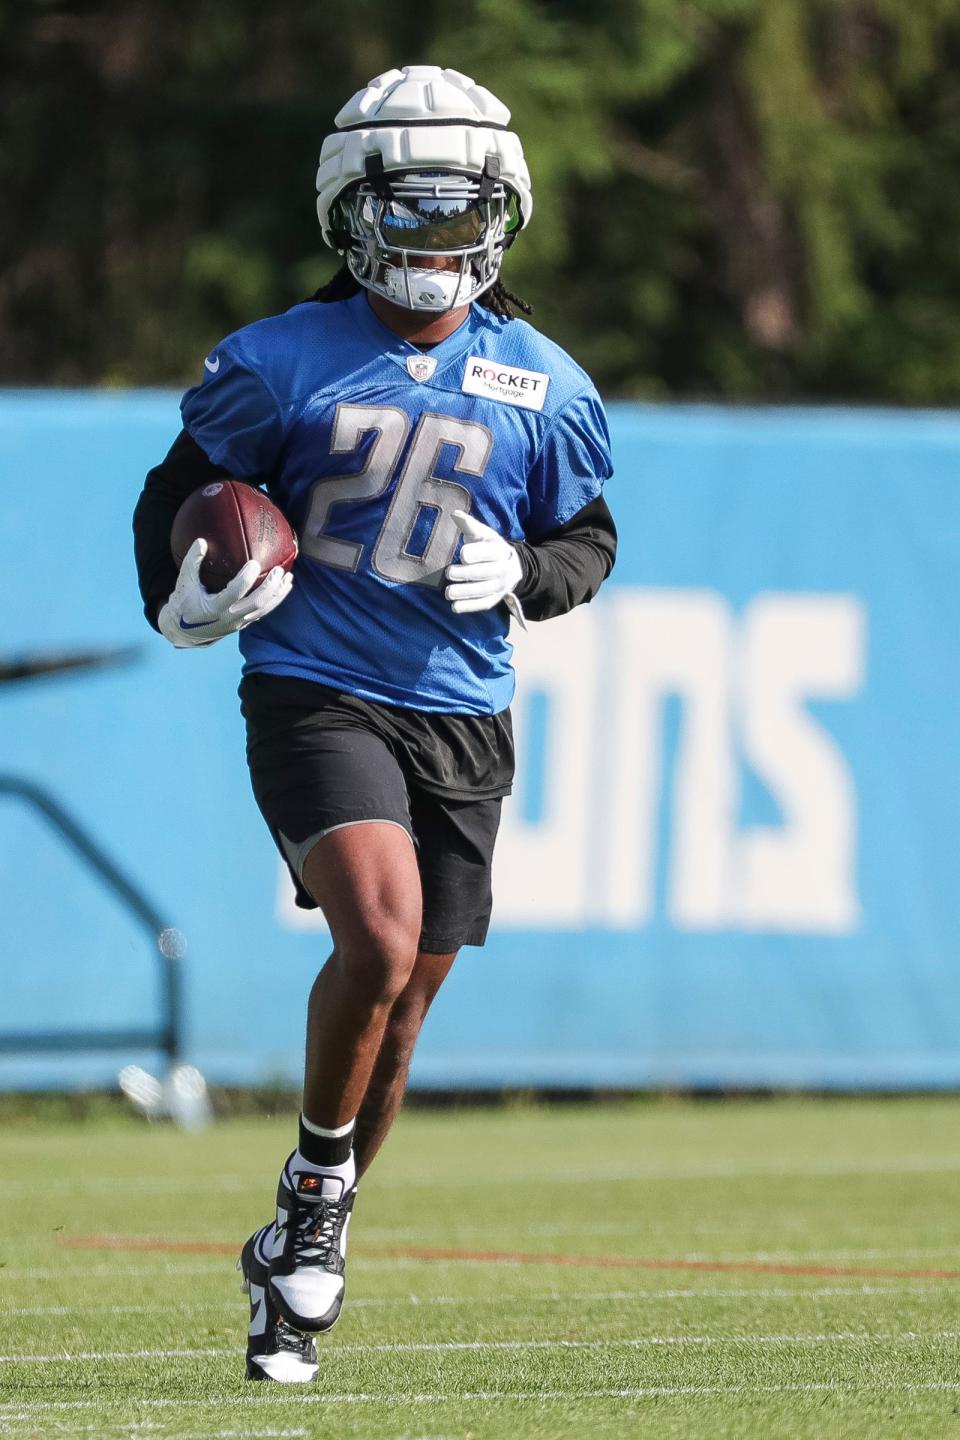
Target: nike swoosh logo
[
  {"x": 258, "y": 1315},
  {"x": 211, "y": 366},
  {"x": 199, "y": 625}
]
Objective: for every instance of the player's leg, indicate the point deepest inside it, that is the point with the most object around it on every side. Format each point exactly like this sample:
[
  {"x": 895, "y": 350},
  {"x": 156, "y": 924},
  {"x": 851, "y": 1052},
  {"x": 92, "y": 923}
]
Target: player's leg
[
  {"x": 365, "y": 879},
  {"x": 455, "y": 841},
  {"x": 336, "y": 801},
  {"x": 388, "y": 1080},
  {"x": 364, "y": 876}
]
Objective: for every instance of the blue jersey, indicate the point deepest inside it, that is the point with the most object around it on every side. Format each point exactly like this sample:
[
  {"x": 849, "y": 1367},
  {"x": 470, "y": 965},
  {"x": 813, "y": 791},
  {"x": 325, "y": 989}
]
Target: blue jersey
[{"x": 368, "y": 445}]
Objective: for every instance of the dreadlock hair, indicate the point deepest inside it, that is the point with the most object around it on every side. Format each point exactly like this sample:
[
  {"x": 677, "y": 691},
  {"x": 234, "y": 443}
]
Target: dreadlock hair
[
  {"x": 502, "y": 302},
  {"x": 341, "y": 287},
  {"x": 497, "y": 299}
]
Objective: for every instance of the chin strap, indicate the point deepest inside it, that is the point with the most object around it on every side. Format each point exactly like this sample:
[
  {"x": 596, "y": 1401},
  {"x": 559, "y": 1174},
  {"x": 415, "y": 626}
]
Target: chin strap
[
  {"x": 490, "y": 177},
  {"x": 377, "y": 177}
]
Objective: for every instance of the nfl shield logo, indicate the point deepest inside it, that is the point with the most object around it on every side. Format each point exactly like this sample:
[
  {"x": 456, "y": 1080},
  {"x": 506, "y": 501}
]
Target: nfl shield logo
[{"x": 421, "y": 367}]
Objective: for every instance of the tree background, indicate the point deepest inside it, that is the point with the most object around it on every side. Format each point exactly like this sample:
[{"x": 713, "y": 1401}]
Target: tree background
[{"x": 741, "y": 199}]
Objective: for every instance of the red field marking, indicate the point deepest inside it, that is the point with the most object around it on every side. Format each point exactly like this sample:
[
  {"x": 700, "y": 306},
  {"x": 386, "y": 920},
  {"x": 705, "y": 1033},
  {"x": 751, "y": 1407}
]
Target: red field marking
[
  {"x": 149, "y": 1242},
  {"x": 521, "y": 1257},
  {"x": 633, "y": 1262}
]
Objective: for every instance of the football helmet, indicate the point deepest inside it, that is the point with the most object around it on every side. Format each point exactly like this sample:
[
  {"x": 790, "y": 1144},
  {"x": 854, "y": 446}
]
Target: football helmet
[{"x": 422, "y": 165}]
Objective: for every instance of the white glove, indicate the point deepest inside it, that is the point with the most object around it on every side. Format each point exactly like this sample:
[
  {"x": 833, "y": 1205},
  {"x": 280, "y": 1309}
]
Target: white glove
[
  {"x": 489, "y": 570},
  {"x": 195, "y": 616}
]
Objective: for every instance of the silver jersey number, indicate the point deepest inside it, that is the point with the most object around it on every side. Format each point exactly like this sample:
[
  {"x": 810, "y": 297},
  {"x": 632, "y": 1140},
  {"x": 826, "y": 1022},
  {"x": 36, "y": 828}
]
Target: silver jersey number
[{"x": 418, "y": 488}]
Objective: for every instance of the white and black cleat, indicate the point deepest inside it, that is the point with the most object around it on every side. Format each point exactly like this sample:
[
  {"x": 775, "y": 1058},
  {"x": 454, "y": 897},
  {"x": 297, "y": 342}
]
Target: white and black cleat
[
  {"x": 275, "y": 1350},
  {"x": 309, "y": 1257}
]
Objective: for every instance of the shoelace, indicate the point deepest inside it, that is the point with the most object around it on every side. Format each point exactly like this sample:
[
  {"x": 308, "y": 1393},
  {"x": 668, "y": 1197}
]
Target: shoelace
[
  {"x": 317, "y": 1231},
  {"x": 293, "y": 1340}
]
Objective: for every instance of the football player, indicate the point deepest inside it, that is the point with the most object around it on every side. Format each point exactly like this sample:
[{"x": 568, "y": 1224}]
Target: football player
[{"x": 442, "y": 463}]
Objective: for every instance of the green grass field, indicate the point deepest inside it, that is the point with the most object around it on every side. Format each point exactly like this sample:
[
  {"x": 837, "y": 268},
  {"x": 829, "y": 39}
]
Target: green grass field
[{"x": 793, "y": 1291}]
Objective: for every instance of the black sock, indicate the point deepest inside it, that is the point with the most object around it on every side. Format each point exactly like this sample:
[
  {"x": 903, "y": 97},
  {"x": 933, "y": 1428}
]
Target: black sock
[{"x": 325, "y": 1149}]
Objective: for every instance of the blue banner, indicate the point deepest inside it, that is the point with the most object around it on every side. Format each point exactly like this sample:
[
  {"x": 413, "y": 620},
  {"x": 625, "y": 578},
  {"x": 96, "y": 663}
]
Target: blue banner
[{"x": 730, "y": 856}]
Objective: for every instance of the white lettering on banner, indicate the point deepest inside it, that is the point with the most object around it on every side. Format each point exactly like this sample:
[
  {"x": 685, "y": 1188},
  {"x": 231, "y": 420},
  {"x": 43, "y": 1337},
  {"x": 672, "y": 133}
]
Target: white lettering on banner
[
  {"x": 591, "y": 855},
  {"x": 801, "y": 875},
  {"x": 289, "y": 914},
  {"x": 742, "y": 687},
  {"x": 673, "y": 642},
  {"x": 554, "y": 845}
]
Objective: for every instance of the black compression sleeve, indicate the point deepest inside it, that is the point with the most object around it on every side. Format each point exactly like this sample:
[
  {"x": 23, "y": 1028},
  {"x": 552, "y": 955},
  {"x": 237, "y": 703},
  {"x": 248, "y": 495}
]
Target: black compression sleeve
[
  {"x": 568, "y": 566},
  {"x": 186, "y": 468}
]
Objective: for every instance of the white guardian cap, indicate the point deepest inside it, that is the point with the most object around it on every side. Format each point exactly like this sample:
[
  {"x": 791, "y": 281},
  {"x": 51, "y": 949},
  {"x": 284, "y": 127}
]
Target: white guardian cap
[{"x": 422, "y": 163}]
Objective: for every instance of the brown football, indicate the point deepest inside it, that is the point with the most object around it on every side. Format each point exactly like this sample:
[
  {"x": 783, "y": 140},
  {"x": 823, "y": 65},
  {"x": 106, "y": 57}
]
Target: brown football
[{"x": 239, "y": 523}]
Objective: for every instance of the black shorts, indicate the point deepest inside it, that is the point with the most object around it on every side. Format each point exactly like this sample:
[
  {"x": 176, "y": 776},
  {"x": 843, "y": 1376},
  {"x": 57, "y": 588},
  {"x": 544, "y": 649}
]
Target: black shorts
[{"x": 320, "y": 759}]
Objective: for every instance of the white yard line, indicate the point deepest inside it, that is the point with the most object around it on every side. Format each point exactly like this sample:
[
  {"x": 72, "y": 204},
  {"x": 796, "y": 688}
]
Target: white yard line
[
  {"x": 561, "y": 1297},
  {"x": 106, "y": 1272},
  {"x": 138, "y": 1185},
  {"x": 77, "y": 1356},
  {"x": 135, "y": 1429},
  {"x": 224, "y": 1268},
  {"x": 787, "y": 1168},
  {"x": 857, "y": 1337},
  {"x": 460, "y": 1397},
  {"x": 165, "y": 1267}
]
